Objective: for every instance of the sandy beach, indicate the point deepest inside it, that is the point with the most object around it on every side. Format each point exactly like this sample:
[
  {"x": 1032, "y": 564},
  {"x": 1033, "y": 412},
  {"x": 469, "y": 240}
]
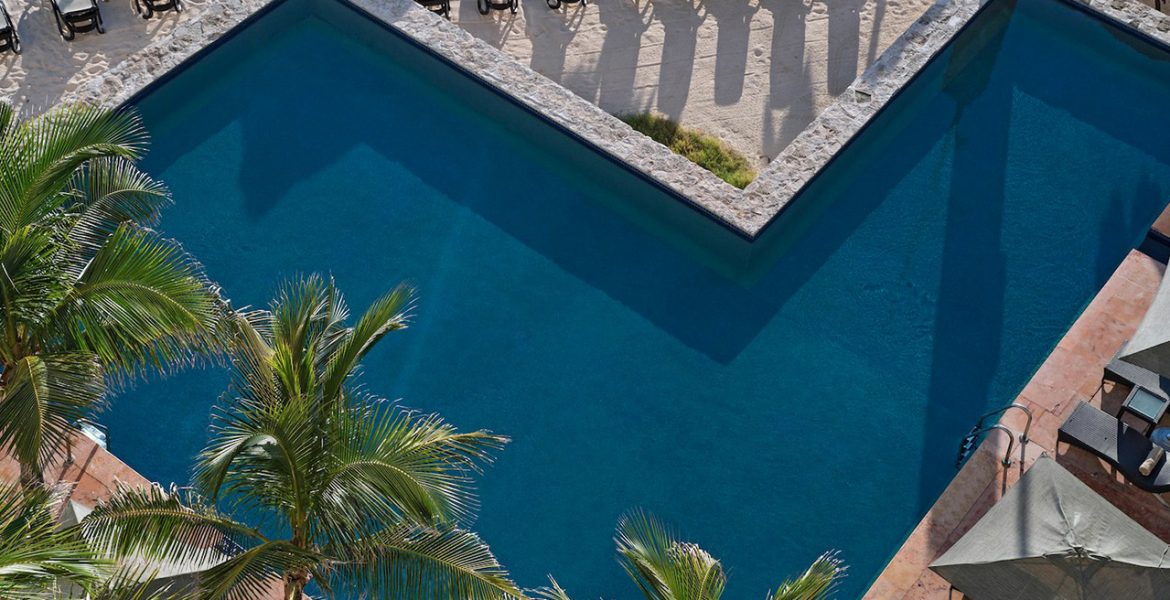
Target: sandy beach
[{"x": 752, "y": 73}]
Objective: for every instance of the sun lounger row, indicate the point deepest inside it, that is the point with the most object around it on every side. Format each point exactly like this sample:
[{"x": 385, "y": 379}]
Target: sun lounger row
[
  {"x": 78, "y": 16},
  {"x": 443, "y": 7}
]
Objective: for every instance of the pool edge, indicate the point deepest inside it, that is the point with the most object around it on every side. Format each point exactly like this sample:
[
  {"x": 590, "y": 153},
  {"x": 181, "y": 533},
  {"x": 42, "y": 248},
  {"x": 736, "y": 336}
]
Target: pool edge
[{"x": 747, "y": 213}]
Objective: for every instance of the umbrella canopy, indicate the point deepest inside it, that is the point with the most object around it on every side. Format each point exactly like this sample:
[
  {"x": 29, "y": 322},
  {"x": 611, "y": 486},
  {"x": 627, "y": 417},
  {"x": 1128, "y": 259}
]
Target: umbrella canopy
[
  {"x": 1150, "y": 345},
  {"x": 1052, "y": 538}
]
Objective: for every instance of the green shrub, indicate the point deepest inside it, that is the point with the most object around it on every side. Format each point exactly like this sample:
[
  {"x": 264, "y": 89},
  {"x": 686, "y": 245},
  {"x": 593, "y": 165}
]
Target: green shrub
[{"x": 702, "y": 149}]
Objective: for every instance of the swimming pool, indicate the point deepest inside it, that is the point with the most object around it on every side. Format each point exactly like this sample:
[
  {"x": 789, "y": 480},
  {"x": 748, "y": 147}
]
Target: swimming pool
[{"x": 773, "y": 398}]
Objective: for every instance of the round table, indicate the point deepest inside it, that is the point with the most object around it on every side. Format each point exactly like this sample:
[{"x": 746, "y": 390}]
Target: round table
[{"x": 1161, "y": 437}]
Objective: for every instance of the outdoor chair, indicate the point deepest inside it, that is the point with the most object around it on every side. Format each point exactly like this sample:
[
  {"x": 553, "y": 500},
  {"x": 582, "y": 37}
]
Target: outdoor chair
[
  {"x": 9, "y": 40},
  {"x": 555, "y": 4},
  {"x": 77, "y": 16},
  {"x": 147, "y": 8},
  {"x": 1122, "y": 371},
  {"x": 1122, "y": 446},
  {"x": 439, "y": 7}
]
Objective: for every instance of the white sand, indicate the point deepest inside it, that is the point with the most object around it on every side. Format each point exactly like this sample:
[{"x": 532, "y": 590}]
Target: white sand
[
  {"x": 752, "y": 72},
  {"x": 51, "y": 67}
]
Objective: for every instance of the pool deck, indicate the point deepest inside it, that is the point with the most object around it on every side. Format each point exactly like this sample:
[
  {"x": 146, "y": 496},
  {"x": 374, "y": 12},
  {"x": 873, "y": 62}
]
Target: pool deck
[
  {"x": 1072, "y": 373},
  {"x": 93, "y": 475}
]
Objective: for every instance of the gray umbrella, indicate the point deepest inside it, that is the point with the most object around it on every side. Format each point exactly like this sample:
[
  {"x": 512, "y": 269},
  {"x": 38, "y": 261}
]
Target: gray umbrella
[
  {"x": 1150, "y": 345},
  {"x": 1052, "y": 538}
]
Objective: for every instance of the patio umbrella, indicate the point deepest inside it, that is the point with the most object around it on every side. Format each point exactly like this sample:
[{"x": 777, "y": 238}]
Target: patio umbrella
[
  {"x": 1052, "y": 538},
  {"x": 1150, "y": 345}
]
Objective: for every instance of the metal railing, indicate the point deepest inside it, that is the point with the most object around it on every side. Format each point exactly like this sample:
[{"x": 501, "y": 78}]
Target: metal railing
[{"x": 970, "y": 441}]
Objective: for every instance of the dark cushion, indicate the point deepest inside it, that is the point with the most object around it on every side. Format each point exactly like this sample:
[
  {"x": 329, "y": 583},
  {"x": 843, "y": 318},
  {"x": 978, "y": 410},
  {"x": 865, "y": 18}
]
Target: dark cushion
[{"x": 1124, "y": 447}]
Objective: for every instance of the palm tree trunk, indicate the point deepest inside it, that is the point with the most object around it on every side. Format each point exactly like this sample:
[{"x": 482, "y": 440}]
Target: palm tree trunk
[
  {"x": 294, "y": 584},
  {"x": 31, "y": 477}
]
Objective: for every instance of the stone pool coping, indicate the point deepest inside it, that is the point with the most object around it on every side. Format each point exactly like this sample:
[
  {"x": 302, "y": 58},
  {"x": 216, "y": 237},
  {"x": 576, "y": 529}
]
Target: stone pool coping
[{"x": 746, "y": 212}]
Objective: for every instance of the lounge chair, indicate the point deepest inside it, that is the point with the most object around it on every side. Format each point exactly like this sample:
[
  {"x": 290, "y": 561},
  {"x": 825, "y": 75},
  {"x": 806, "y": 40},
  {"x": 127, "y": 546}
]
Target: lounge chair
[
  {"x": 1124, "y": 447},
  {"x": 77, "y": 16},
  {"x": 147, "y": 8},
  {"x": 486, "y": 6},
  {"x": 555, "y": 4},
  {"x": 8, "y": 38},
  {"x": 439, "y": 7},
  {"x": 1123, "y": 371}
]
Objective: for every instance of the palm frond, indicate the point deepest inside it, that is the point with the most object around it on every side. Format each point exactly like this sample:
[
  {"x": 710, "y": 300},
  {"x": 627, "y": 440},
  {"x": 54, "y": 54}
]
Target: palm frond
[
  {"x": 553, "y": 591},
  {"x": 389, "y": 313},
  {"x": 663, "y": 567},
  {"x": 142, "y": 301},
  {"x": 816, "y": 583},
  {"x": 391, "y": 464},
  {"x": 151, "y": 524},
  {"x": 32, "y": 284},
  {"x": 113, "y": 191},
  {"x": 253, "y": 381},
  {"x": 426, "y": 564},
  {"x": 37, "y": 556},
  {"x": 43, "y": 397},
  {"x": 308, "y": 321},
  {"x": 360, "y": 480},
  {"x": 139, "y": 583},
  {"x": 253, "y": 572},
  {"x": 41, "y": 154},
  {"x": 7, "y": 114},
  {"x": 263, "y": 455}
]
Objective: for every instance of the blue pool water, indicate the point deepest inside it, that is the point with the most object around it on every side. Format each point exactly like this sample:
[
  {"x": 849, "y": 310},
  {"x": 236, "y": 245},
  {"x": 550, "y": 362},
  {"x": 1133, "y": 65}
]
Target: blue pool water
[{"x": 773, "y": 399}]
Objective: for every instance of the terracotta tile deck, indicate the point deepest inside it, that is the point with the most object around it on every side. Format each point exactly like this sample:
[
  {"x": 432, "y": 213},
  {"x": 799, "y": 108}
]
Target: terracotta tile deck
[
  {"x": 1162, "y": 224},
  {"x": 94, "y": 473},
  {"x": 1072, "y": 373}
]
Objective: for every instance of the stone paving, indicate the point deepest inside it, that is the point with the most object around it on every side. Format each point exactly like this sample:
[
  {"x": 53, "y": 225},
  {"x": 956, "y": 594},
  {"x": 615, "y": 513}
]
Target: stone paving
[{"x": 1070, "y": 374}]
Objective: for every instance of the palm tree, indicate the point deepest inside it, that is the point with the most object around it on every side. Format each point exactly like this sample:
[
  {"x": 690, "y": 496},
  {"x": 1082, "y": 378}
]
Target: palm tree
[
  {"x": 364, "y": 493},
  {"x": 88, "y": 294},
  {"x": 36, "y": 557},
  {"x": 665, "y": 568}
]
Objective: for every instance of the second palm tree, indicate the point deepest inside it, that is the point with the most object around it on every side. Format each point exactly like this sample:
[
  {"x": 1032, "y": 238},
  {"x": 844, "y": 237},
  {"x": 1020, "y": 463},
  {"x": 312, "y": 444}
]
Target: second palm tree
[{"x": 363, "y": 493}]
